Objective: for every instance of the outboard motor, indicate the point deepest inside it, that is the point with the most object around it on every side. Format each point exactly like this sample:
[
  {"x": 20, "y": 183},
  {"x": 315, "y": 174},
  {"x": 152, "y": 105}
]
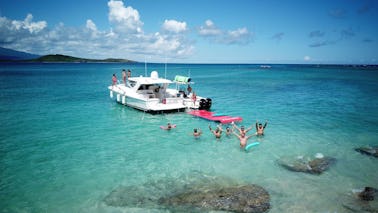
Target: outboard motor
[
  {"x": 205, "y": 104},
  {"x": 208, "y": 102}
]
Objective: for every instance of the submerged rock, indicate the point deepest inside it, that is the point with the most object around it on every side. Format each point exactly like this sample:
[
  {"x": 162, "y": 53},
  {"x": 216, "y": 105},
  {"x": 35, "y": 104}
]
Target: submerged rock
[
  {"x": 368, "y": 194},
  {"x": 192, "y": 193},
  {"x": 372, "y": 151},
  {"x": 248, "y": 198},
  {"x": 361, "y": 200},
  {"x": 304, "y": 164}
]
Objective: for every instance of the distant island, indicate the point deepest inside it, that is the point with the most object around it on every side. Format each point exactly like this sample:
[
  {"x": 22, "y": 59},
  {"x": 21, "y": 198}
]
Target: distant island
[
  {"x": 70, "y": 59},
  {"x": 9, "y": 55}
]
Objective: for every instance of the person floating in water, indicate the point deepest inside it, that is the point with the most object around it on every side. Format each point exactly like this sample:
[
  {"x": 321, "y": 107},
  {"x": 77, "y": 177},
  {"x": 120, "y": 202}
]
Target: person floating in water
[
  {"x": 260, "y": 128},
  {"x": 197, "y": 133},
  {"x": 169, "y": 126},
  {"x": 243, "y": 139},
  {"x": 217, "y": 132}
]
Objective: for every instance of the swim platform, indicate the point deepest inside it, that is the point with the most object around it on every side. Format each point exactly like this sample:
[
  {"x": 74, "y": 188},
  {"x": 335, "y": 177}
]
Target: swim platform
[{"x": 224, "y": 119}]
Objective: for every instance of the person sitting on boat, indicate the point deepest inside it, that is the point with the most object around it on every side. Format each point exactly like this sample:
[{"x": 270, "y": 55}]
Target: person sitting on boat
[
  {"x": 260, "y": 128},
  {"x": 217, "y": 132},
  {"x": 189, "y": 89},
  {"x": 197, "y": 133},
  {"x": 243, "y": 139},
  {"x": 241, "y": 129},
  {"x": 114, "y": 80}
]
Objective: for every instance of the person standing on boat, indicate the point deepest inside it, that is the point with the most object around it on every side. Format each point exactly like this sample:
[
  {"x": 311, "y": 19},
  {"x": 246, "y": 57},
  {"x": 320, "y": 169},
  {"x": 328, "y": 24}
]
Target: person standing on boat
[
  {"x": 124, "y": 76},
  {"x": 194, "y": 98},
  {"x": 114, "y": 80},
  {"x": 127, "y": 78},
  {"x": 260, "y": 128}
]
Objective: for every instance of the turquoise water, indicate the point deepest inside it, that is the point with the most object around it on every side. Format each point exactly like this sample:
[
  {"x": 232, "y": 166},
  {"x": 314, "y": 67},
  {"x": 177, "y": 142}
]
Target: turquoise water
[{"x": 64, "y": 145}]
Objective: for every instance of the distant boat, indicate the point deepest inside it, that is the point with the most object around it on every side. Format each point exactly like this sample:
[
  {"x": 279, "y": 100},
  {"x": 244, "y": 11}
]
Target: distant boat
[
  {"x": 152, "y": 94},
  {"x": 265, "y": 66}
]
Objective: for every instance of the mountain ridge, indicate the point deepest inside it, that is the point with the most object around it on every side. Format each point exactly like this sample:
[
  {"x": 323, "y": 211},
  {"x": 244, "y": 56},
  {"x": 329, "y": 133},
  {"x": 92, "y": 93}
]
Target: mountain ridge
[{"x": 10, "y": 55}]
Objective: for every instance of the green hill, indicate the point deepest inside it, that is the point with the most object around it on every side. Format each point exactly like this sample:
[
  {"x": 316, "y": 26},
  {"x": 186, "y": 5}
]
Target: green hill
[{"x": 71, "y": 59}]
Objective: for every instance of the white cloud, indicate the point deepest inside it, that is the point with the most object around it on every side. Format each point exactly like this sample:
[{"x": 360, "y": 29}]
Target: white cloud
[
  {"x": 126, "y": 19},
  {"x": 214, "y": 34},
  {"x": 209, "y": 29},
  {"x": 91, "y": 25},
  {"x": 174, "y": 26},
  {"x": 241, "y": 36},
  {"x": 28, "y": 24},
  {"x": 123, "y": 39}
]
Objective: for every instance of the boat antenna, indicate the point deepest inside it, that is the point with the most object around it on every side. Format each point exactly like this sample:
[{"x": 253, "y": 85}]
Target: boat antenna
[
  {"x": 165, "y": 73},
  {"x": 145, "y": 66}
]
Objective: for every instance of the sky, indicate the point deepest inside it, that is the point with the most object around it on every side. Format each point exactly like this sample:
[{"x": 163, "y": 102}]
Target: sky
[{"x": 196, "y": 31}]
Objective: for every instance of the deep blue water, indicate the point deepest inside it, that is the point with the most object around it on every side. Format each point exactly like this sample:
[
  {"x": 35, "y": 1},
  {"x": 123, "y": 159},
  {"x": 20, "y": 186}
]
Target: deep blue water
[{"x": 65, "y": 145}]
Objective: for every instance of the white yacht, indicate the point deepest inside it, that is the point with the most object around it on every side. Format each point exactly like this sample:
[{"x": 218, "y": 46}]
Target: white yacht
[{"x": 153, "y": 94}]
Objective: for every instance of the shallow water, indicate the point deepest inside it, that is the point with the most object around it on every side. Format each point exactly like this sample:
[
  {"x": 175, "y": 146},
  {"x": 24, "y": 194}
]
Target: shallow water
[{"x": 64, "y": 145}]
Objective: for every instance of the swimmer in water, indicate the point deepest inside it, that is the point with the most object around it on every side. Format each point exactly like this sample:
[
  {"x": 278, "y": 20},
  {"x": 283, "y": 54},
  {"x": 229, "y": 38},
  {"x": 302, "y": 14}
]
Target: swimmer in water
[
  {"x": 228, "y": 131},
  {"x": 241, "y": 129},
  {"x": 260, "y": 128},
  {"x": 217, "y": 132},
  {"x": 169, "y": 126},
  {"x": 243, "y": 139},
  {"x": 197, "y": 133}
]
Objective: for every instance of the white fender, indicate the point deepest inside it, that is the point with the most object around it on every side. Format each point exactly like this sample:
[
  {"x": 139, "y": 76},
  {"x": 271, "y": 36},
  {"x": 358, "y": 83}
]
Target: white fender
[
  {"x": 111, "y": 94},
  {"x": 123, "y": 99},
  {"x": 118, "y": 97}
]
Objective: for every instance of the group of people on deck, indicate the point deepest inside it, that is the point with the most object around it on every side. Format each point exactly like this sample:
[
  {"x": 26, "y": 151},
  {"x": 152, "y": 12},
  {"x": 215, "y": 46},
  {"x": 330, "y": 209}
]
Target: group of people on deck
[{"x": 125, "y": 77}]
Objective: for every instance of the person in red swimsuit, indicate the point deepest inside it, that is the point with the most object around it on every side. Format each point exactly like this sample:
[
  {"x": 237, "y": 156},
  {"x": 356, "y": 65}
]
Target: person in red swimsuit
[{"x": 114, "y": 80}]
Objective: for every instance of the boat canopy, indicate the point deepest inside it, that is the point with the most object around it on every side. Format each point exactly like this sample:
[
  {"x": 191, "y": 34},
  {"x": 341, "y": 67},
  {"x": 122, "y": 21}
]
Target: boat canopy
[{"x": 182, "y": 79}]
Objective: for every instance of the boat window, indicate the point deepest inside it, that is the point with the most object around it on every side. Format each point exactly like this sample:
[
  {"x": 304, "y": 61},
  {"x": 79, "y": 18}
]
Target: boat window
[
  {"x": 144, "y": 86},
  {"x": 132, "y": 83}
]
